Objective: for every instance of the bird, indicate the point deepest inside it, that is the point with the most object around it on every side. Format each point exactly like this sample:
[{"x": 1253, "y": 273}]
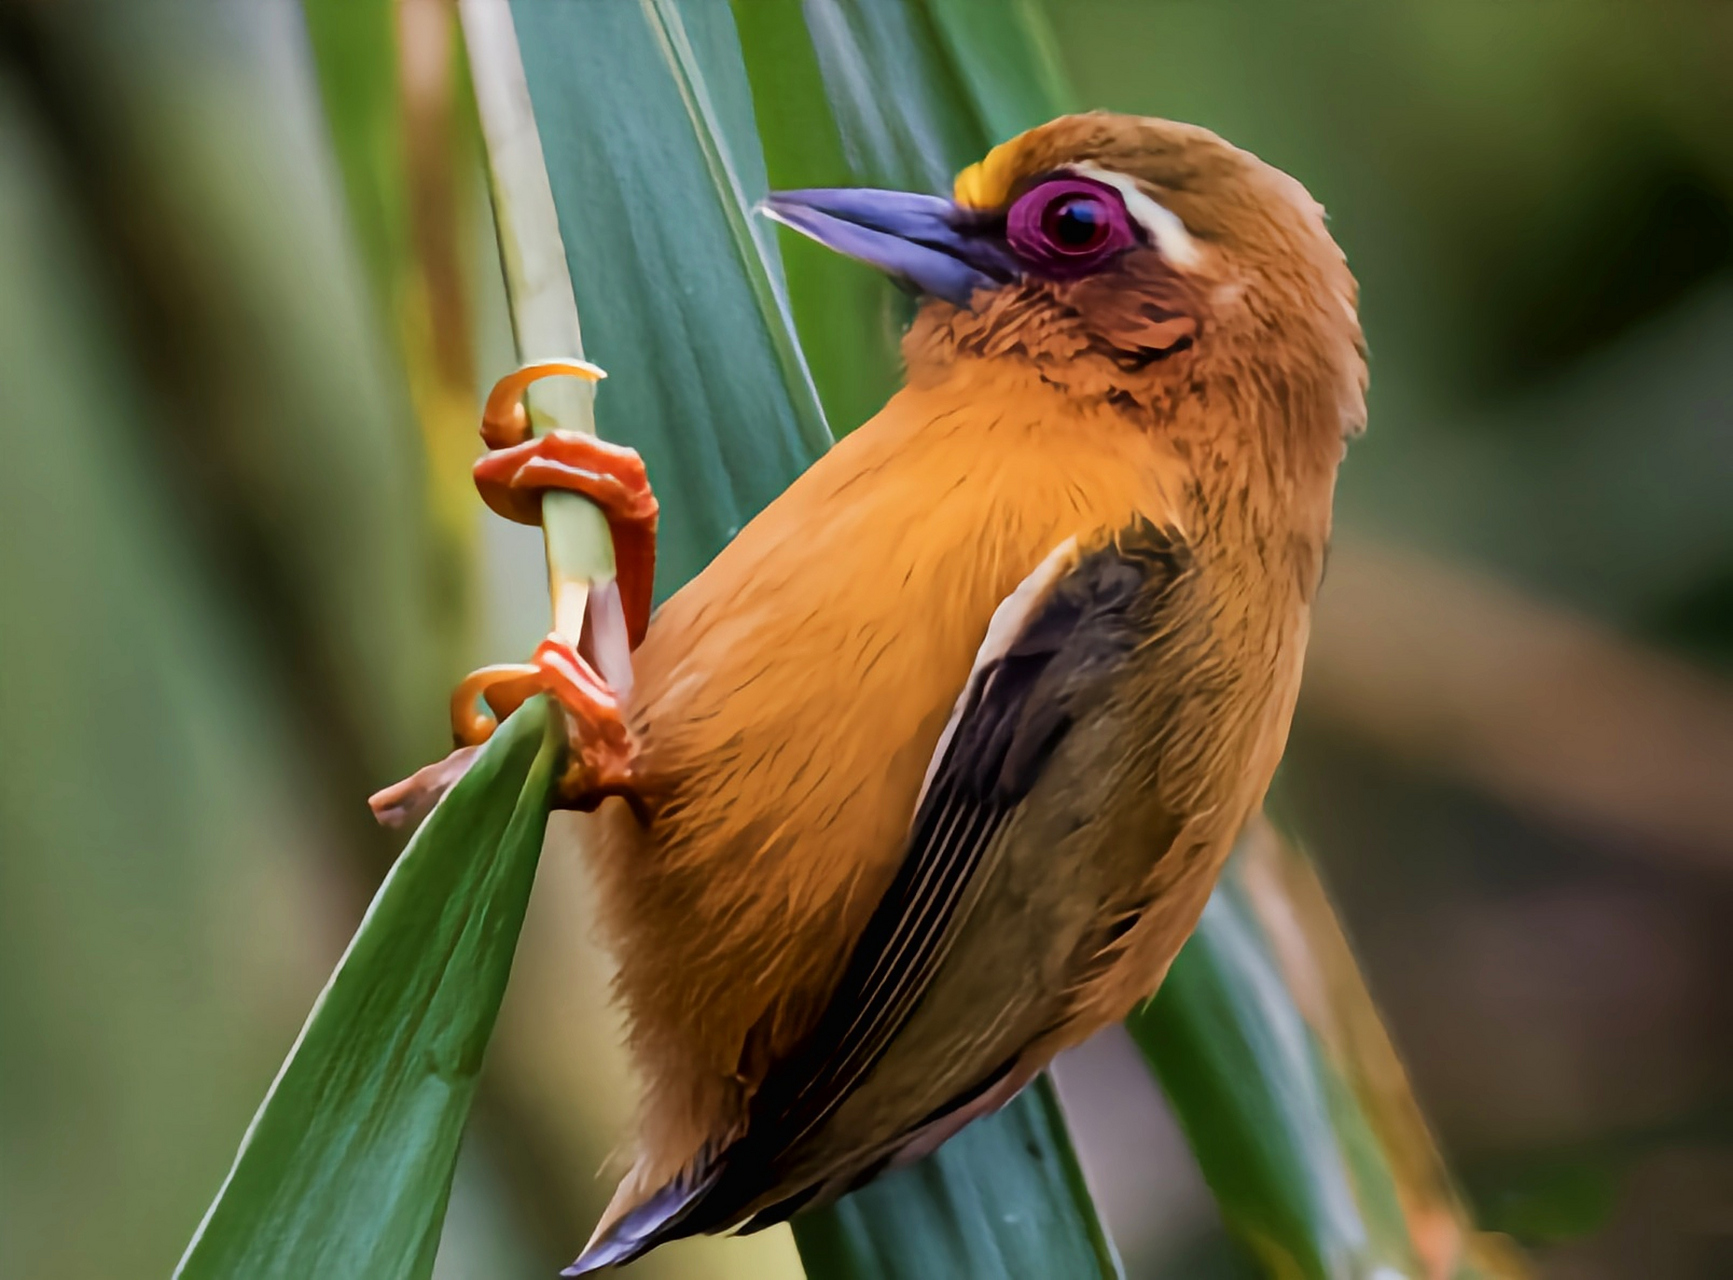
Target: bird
[{"x": 929, "y": 774}]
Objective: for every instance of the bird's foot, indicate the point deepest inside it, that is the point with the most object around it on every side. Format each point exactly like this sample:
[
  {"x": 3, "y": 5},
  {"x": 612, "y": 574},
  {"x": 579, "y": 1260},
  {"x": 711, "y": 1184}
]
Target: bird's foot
[
  {"x": 511, "y": 478},
  {"x": 518, "y": 469},
  {"x": 601, "y": 748}
]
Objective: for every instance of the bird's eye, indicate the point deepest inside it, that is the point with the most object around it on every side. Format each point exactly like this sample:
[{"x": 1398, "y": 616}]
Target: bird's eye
[
  {"x": 1068, "y": 226},
  {"x": 1075, "y": 224}
]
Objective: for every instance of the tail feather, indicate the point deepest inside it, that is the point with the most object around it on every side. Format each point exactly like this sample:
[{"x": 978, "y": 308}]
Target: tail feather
[{"x": 657, "y": 1221}]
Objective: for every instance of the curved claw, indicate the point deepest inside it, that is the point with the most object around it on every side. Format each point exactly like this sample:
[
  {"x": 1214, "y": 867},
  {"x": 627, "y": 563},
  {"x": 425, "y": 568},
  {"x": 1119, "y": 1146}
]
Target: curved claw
[
  {"x": 504, "y": 421},
  {"x": 602, "y": 751},
  {"x": 504, "y": 687}
]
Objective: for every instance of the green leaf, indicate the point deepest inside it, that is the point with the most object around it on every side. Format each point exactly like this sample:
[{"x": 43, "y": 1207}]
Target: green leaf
[
  {"x": 345, "y": 1169},
  {"x": 1004, "y": 1199},
  {"x": 355, "y": 55},
  {"x": 1237, "y": 1060},
  {"x": 646, "y": 126},
  {"x": 1294, "y": 1101}
]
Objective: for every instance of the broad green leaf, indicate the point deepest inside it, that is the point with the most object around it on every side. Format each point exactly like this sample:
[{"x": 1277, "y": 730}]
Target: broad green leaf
[
  {"x": 346, "y": 1168},
  {"x": 646, "y": 125}
]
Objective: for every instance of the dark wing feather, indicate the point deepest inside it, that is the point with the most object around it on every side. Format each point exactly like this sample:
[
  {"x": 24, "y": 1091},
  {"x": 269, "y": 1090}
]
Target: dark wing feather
[{"x": 1017, "y": 709}]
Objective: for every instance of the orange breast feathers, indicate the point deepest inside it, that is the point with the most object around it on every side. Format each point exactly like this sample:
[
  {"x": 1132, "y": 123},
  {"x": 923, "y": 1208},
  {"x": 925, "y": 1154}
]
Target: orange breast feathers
[{"x": 788, "y": 701}]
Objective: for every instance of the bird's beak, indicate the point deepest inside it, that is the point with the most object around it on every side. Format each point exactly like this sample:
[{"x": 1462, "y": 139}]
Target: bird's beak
[{"x": 925, "y": 241}]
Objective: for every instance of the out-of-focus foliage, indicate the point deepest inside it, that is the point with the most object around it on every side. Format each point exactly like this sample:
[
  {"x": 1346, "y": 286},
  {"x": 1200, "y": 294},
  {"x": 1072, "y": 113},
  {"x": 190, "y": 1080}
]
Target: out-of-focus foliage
[
  {"x": 1538, "y": 202},
  {"x": 402, "y": 132},
  {"x": 234, "y": 608},
  {"x": 347, "y": 1167},
  {"x": 216, "y": 634},
  {"x": 1297, "y": 1107}
]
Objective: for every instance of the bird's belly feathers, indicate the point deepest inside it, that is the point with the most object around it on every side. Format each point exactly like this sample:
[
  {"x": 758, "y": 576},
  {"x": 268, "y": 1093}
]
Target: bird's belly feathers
[{"x": 788, "y": 702}]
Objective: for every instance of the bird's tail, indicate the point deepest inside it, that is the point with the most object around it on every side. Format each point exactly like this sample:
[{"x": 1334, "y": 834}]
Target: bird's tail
[{"x": 661, "y": 1218}]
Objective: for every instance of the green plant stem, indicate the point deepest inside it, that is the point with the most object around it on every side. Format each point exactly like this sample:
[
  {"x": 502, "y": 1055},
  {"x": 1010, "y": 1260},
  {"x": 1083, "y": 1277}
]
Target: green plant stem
[{"x": 544, "y": 312}]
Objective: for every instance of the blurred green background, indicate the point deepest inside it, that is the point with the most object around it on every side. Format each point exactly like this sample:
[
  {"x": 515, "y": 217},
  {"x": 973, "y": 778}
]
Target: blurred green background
[{"x": 239, "y": 566}]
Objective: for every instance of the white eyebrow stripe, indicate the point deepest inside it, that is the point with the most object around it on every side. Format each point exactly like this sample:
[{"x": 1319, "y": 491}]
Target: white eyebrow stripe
[{"x": 1162, "y": 223}]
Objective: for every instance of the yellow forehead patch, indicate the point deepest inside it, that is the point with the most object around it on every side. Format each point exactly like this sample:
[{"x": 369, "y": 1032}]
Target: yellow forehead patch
[{"x": 987, "y": 183}]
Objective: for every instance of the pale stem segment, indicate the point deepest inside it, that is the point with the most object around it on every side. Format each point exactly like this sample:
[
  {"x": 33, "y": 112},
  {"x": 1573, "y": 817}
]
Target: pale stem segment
[{"x": 580, "y": 550}]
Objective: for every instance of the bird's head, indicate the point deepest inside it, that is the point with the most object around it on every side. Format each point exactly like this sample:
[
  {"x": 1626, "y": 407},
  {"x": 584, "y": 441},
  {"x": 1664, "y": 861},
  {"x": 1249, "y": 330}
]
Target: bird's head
[{"x": 1131, "y": 258}]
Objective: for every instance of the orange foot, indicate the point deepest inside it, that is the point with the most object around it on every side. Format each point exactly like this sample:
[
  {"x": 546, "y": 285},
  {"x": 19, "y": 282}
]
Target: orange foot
[
  {"x": 601, "y": 746},
  {"x": 512, "y": 478}
]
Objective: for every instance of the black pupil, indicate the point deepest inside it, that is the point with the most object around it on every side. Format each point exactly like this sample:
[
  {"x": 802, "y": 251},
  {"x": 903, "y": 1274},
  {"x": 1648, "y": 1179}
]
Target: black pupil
[{"x": 1077, "y": 222}]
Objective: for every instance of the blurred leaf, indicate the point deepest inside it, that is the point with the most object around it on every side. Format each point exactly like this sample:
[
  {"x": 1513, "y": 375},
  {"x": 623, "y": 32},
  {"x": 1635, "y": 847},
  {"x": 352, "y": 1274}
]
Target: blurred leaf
[
  {"x": 254, "y": 332},
  {"x": 1484, "y": 165},
  {"x": 355, "y": 54},
  {"x": 216, "y": 580},
  {"x": 162, "y": 896},
  {"x": 346, "y": 1168},
  {"x": 1007, "y": 61},
  {"x": 1550, "y": 1201},
  {"x": 389, "y": 74},
  {"x": 1261, "y": 1132},
  {"x": 1300, "y": 1114}
]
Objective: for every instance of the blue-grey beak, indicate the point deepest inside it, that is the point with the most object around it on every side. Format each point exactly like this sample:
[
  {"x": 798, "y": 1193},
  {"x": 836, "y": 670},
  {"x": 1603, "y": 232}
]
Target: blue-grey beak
[{"x": 925, "y": 241}]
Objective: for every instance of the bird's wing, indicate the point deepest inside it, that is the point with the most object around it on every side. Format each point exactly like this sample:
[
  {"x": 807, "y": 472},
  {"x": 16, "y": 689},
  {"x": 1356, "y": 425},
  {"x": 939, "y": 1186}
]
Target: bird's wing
[{"x": 1054, "y": 648}]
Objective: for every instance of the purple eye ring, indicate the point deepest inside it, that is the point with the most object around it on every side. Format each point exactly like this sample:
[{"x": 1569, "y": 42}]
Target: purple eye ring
[{"x": 1068, "y": 226}]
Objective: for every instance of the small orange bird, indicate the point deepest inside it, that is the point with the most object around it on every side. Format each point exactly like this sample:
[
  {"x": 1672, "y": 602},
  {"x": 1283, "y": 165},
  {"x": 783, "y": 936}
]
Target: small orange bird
[{"x": 932, "y": 770}]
